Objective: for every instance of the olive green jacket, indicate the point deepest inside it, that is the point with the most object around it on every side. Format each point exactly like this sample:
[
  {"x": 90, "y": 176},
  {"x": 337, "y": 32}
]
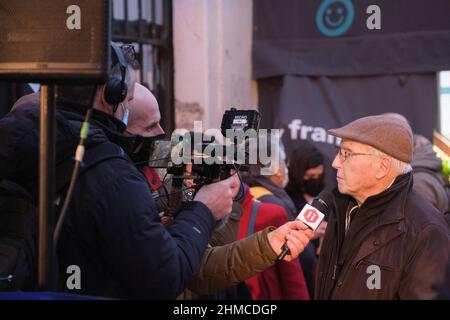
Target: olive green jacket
[{"x": 227, "y": 265}]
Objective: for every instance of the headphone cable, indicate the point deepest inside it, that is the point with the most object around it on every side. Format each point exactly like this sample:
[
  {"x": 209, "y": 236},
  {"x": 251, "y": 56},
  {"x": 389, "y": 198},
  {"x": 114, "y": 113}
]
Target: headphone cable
[{"x": 79, "y": 154}]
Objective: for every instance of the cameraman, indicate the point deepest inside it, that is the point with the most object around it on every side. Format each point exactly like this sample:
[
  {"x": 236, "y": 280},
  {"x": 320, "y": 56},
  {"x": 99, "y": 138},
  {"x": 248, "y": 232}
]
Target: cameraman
[
  {"x": 248, "y": 256},
  {"x": 112, "y": 230}
]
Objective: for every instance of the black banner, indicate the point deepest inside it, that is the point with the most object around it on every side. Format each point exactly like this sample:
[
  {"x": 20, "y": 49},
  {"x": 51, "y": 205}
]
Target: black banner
[
  {"x": 323, "y": 63},
  {"x": 350, "y": 37}
]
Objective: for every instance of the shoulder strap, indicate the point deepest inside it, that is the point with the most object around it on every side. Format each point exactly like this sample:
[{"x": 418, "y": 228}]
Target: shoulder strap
[
  {"x": 259, "y": 192},
  {"x": 251, "y": 225}
]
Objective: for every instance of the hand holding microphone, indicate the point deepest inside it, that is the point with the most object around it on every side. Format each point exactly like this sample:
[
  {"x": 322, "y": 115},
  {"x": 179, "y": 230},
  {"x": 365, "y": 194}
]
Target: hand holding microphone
[
  {"x": 311, "y": 215},
  {"x": 294, "y": 234}
]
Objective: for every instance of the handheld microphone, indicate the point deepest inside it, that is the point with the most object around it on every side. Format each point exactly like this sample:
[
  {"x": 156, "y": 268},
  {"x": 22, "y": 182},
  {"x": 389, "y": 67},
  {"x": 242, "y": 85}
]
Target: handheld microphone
[{"x": 311, "y": 215}]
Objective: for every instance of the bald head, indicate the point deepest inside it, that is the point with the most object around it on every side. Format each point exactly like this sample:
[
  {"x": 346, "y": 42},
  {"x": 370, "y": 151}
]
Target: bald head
[{"x": 144, "y": 115}]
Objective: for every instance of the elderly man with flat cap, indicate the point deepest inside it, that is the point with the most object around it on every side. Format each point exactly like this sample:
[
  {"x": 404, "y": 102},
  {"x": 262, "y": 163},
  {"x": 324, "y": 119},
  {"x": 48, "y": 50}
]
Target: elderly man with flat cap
[{"x": 383, "y": 240}]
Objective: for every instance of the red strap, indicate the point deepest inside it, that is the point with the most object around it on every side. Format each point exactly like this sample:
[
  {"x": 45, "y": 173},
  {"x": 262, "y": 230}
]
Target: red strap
[{"x": 152, "y": 177}]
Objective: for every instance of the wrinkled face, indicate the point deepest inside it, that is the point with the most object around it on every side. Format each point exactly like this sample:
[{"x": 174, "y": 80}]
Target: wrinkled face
[{"x": 356, "y": 166}]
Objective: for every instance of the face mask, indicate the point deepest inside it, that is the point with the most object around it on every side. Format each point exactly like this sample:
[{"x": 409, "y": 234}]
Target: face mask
[
  {"x": 126, "y": 114},
  {"x": 143, "y": 150},
  {"x": 313, "y": 186},
  {"x": 125, "y": 117}
]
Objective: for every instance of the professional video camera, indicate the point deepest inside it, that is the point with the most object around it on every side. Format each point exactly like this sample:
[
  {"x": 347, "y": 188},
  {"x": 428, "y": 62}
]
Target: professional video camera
[{"x": 211, "y": 160}]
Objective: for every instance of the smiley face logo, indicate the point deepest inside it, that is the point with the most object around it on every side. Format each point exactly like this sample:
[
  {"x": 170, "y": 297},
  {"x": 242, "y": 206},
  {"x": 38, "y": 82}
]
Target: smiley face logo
[{"x": 334, "y": 17}]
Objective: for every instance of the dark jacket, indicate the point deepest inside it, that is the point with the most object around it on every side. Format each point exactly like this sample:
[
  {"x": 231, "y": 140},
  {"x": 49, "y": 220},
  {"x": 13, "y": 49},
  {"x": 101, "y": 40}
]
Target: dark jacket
[
  {"x": 427, "y": 179},
  {"x": 112, "y": 231},
  {"x": 227, "y": 265},
  {"x": 397, "y": 231}
]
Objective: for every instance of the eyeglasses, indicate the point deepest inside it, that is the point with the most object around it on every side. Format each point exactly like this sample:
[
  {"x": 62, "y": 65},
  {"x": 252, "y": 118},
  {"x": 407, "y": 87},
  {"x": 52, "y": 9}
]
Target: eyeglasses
[{"x": 344, "y": 154}]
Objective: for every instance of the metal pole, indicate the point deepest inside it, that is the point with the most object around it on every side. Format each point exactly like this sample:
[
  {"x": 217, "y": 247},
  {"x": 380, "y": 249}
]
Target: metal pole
[{"x": 46, "y": 183}]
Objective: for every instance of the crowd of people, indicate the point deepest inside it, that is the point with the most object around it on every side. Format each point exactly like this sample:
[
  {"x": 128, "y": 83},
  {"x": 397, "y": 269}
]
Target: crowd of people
[{"x": 222, "y": 239}]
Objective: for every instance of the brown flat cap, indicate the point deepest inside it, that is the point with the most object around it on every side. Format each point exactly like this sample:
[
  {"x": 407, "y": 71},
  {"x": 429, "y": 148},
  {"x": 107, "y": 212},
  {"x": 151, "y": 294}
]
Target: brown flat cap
[{"x": 384, "y": 132}]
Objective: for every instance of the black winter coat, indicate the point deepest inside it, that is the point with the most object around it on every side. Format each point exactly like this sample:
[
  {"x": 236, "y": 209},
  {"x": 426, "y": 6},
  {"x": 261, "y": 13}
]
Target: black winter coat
[
  {"x": 112, "y": 230},
  {"x": 397, "y": 232}
]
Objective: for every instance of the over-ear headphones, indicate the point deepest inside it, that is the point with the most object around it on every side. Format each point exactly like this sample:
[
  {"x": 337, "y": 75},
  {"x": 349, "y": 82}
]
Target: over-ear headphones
[{"x": 116, "y": 89}]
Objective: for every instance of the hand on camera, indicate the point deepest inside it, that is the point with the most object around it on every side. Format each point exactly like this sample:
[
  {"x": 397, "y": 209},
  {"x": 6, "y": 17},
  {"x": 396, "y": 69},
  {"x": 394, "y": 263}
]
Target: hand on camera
[{"x": 218, "y": 196}]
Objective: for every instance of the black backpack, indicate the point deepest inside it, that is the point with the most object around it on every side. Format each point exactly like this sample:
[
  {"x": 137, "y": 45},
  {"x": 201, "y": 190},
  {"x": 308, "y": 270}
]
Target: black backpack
[{"x": 19, "y": 221}]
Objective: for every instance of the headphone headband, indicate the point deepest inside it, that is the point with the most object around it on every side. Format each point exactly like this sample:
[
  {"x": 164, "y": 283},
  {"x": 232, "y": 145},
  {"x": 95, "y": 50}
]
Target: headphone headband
[
  {"x": 116, "y": 90},
  {"x": 120, "y": 59}
]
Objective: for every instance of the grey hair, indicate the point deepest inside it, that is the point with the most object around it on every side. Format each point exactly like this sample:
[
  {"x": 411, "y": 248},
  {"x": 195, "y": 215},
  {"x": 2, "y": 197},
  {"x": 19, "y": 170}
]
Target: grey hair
[{"x": 399, "y": 166}]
